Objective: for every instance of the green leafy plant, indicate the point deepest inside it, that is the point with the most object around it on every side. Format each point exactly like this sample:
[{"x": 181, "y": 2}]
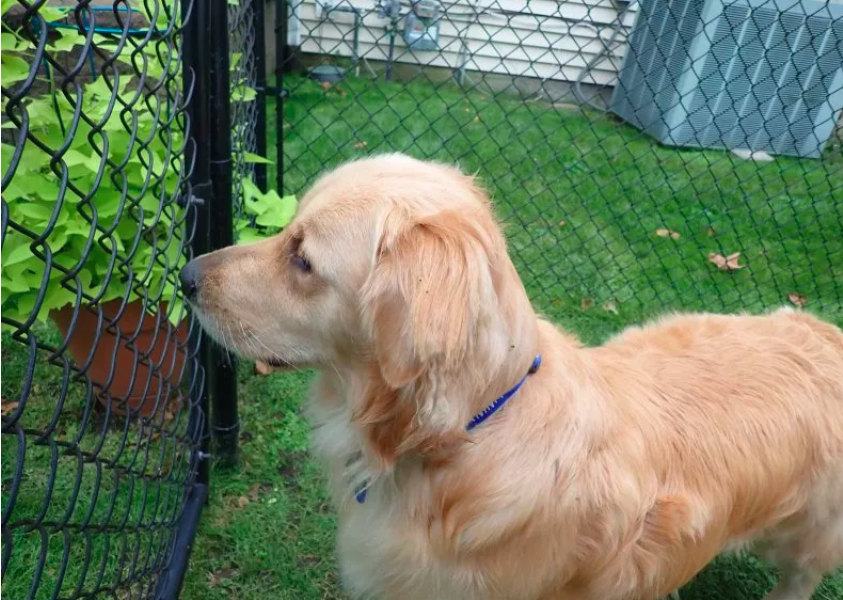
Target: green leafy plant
[
  {"x": 263, "y": 214},
  {"x": 105, "y": 209}
]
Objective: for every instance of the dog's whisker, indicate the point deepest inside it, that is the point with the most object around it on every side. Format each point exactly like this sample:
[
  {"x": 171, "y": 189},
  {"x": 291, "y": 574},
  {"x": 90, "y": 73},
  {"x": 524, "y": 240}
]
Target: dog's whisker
[
  {"x": 339, "y": 376},
  {"x": 256, "y": 345},
  {"x": 247, "y": 340},
  {"x": 275, "y": 354},
  {"x": 227, "y": 348},
  {"x": 221, "y": 335}
]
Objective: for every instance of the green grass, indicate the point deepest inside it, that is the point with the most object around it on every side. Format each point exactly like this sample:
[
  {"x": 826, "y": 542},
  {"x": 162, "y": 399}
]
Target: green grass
[{"x": 268, "y": 531}]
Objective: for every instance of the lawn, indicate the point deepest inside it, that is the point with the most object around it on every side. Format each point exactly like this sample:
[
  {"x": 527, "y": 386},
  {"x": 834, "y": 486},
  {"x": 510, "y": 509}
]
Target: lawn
[{"x": 584, "y": 200}]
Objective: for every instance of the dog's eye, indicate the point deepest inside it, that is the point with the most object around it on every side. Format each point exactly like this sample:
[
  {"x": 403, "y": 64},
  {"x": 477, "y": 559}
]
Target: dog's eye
[{"x": 301, "y": 263}]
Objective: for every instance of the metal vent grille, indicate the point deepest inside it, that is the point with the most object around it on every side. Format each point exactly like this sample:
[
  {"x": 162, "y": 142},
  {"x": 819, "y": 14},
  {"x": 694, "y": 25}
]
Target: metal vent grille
[{"x": 735, "y": 75}]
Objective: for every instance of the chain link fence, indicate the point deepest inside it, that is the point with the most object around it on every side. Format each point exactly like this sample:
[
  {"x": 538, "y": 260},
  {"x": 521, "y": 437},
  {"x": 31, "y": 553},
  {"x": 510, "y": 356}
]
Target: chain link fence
[
  {"x": 644, "y": 155},
  {"x": 103, "y": 405},
  {"x": 244, "y": 108}
]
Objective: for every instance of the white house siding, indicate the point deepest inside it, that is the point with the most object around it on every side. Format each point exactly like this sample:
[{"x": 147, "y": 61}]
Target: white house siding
[{"x": 530, "y": 38}]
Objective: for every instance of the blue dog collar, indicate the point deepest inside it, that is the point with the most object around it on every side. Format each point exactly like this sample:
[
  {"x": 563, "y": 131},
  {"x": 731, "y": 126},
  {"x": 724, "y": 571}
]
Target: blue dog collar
[
  {"x": 360, "y": 492},
  {"x": 501, "y": 400}
]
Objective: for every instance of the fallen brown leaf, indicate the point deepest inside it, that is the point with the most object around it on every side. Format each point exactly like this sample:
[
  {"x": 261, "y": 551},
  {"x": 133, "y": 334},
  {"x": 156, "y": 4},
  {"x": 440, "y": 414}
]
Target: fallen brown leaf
[
  {"x": 586, "y": 303},
  {"x": 326, "y": 85},
  {"x": 726, "y": 263},
  {"x": 262, "y": 368},
  {"x": 668, "y": 233},
  {"x": 562, "y": 223},
  {"x": 798, "y": 299},
  {"x": 309, "y": 560},
  {"x": 7, "y": 408},
  {"x": 217, "y": 577},
  {"x": 242, "y": 502},
  {"x": 221, "y": 521},
  {"x": 359, "y": 145},
  {"x": 611, "y": 307},
  {"x": 255, "y": 491}
]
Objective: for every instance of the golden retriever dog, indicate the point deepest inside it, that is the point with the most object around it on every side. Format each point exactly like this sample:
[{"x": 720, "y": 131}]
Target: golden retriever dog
[{"x": 462, "y": 469}]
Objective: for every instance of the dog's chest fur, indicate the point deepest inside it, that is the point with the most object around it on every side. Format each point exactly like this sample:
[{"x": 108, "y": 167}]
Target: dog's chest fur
[{"x": 381, "y": 551}]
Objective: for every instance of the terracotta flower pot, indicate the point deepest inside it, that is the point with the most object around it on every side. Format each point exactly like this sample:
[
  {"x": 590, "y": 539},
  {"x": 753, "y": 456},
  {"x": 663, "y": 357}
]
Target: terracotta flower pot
[{"x": 132, "y": 381}]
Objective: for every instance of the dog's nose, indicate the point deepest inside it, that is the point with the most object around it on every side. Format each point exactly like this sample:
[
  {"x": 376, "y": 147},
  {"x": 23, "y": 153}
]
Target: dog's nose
[{"x": 189, "y": 279}]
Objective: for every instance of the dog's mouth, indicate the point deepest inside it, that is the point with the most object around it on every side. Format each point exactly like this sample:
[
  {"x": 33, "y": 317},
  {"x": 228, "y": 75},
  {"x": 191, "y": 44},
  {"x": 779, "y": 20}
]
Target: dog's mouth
[
  {"x": 278, "y": 363},
  {"x": 210, "y": 326},
  {"x": 238, "y": 347}
]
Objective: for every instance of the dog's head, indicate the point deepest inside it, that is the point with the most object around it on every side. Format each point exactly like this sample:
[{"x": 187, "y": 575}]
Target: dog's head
[{"x": 392, "y": 267}]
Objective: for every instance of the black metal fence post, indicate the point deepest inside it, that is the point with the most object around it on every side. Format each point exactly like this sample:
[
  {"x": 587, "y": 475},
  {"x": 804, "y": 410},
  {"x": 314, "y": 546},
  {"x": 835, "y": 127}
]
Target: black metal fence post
[
  {"x": 280, "y": 65},
  {"x": 196, "y": 83},
  {"x": 259, "y": 31},
  {"x": 222, "y": 376},
  {"x": 195, "y": 76}
]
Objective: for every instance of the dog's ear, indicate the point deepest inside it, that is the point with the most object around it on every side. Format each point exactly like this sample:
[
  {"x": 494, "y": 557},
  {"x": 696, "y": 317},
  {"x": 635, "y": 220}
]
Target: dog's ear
[
  {"x": 423, "y": 302},
  {"x": 425, "y": 296}
]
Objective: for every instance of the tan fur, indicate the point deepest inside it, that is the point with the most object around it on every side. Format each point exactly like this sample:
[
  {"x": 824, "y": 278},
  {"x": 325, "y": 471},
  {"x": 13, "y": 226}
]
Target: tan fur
[{"x": 616, "y": 473}]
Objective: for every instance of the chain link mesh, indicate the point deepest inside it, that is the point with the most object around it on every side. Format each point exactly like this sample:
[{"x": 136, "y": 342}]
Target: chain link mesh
[
  {"x": 99, "y": 421},
  {"x": 244, "y": 109},
  {"x": 647, "y": 212}
]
